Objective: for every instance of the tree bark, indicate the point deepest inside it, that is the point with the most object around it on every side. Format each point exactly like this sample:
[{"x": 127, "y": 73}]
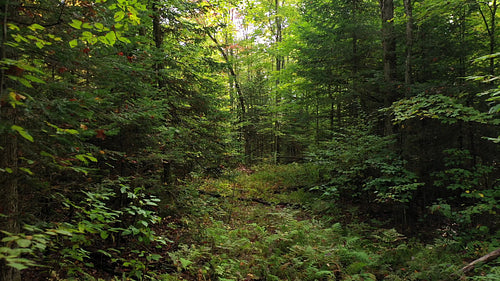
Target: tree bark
[
  {"x": 279, "y": 67},
  {"x": 245, "y": 130},
  {"x": 388, "y": 40},
  {"x": 389, "y": 57},
  {"x": 158, "y": 40},
  {"x": 409, "y": 45},
  {"x": 491, "y": 29},
  {"x": 9, "y": 189},
  {"x": 232, "y": 73},
  {"x": 9, "y": 198}
]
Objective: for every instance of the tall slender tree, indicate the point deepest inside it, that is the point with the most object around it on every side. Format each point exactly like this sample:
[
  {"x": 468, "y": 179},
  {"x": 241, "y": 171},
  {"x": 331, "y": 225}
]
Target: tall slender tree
[{"x": 389, "y": 56}]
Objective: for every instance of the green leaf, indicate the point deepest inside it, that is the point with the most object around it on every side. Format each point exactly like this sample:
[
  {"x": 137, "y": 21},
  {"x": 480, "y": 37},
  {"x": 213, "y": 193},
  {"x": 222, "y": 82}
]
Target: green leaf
[
  {"x": 124, "y": 40},
  {"x": 9, "y": 238},
  {"x": 73, "y": 43},
  {"x": 19, "y": 38},
  {"x": 90, "y": 157},
  {"x": 25, "y": 82},
  {"x": 46, "y": 154},
  {"x": 87, "y": 35},
  {"x": 76, "y": 24},
  {"x": 23, "y": 243},
  {"x": 36, "y": 27},
  {"x": 104, "y": 252},
  {"x": 103, "y": 39},
  {"x": 99, "y": 26},
  {"x": 104, "y": 234},
  {"x": 26, "y": 170},
  {"x": 82, "y": 158},
  {"x": 34, "y": 79},
  {"x": 154, "y": 257},
  {"x": 13, "y": 27},
  {"x": 495, "y": 109},
  {"x": 18, "y": 266},
  {"x": 22, "y": 132},
  {"x": 80, "y": 170},
  {"x": 71, "y": 131},
  {"x": 111, "y": 38},
  {"x": 119, "y": 16},
  {"x": 53, "y": 37},
  {"x": 185, "y": 263},
  {"x": 87, "y": 25}
]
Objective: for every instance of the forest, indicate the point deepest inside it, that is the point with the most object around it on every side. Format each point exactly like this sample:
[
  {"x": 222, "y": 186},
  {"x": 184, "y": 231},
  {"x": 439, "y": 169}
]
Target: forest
[{"x": 249, "y": 140}]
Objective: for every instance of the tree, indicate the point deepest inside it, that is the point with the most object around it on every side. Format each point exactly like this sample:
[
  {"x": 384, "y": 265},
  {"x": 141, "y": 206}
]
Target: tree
[
  {"x": 93, "y": 116},
  {"x": 409, "y": 44},
  {"x": 489, "y": 21},
  {"x": 389, "y": 55}
]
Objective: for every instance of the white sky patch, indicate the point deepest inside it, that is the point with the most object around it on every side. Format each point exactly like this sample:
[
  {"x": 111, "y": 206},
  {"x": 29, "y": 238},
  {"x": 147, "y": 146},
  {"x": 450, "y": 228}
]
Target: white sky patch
[{"x": 245, "y": 30}]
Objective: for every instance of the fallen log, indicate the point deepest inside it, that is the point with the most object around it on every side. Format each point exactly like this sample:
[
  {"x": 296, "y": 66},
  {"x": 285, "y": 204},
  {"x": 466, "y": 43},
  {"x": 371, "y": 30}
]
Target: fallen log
[
  {"x": 484, "y": 259},
  {"x": 256, "y": 200}
]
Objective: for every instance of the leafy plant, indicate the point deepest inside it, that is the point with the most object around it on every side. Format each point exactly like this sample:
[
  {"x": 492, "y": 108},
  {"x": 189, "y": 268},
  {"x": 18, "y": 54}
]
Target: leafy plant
[
  {"x": 103, "y": 221},
  {"x": 360, "y": 164},
  {"x": 476, "y": 191}
]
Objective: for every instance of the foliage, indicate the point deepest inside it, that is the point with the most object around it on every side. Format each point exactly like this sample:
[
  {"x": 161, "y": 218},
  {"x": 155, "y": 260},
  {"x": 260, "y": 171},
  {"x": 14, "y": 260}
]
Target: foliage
[
  {"x": 493, "y": 94},
  {"x": 280, "y": 177},
  {"x": 106, "y": 106},
  {"x": 281, "y": 249},
  {"x": 20, "y": 249},
  {"x": 361, "y": 165},
  {"x": 446, "y": 109},
  {"x": 233, "y": 240},
  {"x": 100, "y": 234},
  {"x": 474, "y": 186}
]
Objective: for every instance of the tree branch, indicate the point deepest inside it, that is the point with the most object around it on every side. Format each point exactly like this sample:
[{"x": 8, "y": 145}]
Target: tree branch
[{"x": 241, "y": 99}]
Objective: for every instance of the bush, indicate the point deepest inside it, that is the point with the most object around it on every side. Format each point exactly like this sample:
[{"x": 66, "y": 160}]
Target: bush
[{"x": 363, "y": 166}]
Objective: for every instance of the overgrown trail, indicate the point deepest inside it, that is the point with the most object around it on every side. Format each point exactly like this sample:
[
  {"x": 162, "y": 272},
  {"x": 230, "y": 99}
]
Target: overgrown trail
[
  {"x": 262, "y": 225},
  {"x": 268, "y": 233},
  {"x": 246, "y": 240}
]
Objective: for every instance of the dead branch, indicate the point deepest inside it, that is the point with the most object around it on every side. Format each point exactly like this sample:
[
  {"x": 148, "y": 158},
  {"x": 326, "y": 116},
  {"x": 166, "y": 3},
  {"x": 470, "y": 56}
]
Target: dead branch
[{"x": 484, "y": 259}]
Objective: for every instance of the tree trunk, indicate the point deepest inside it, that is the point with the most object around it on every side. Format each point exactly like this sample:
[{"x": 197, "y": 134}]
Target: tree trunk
[
  {"x": 279, "y": 67},
  {"x": 355, "y": 55},
  {"x": 491, "y": 29},
  {"x": 389, "y": 57},
  {"x": 158, "y": 40},
  {"x": 409, "y": 44},
  {"x": 388, "y": 40},
  {"x": 9, "y": 198},
  {"x": 9, "y": 189},
  {"x": 245, "y": 131},
  {"x": 493, "y": 10}
]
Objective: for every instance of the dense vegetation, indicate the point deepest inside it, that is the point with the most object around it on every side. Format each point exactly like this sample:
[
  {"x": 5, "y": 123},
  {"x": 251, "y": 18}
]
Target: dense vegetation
[{"x": 249, "y": 140}]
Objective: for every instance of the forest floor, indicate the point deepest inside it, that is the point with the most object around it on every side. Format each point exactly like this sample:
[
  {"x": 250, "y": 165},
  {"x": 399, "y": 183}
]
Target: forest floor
[
  {"x": 264, "y": 225},
  {"x": 253, "y": 230}
]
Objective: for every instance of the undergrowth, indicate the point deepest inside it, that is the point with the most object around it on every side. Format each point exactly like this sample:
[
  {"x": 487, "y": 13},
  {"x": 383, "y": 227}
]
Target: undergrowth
[
  {"x": 261, "y": 224},
  {"x": 290, "y": 233}
]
